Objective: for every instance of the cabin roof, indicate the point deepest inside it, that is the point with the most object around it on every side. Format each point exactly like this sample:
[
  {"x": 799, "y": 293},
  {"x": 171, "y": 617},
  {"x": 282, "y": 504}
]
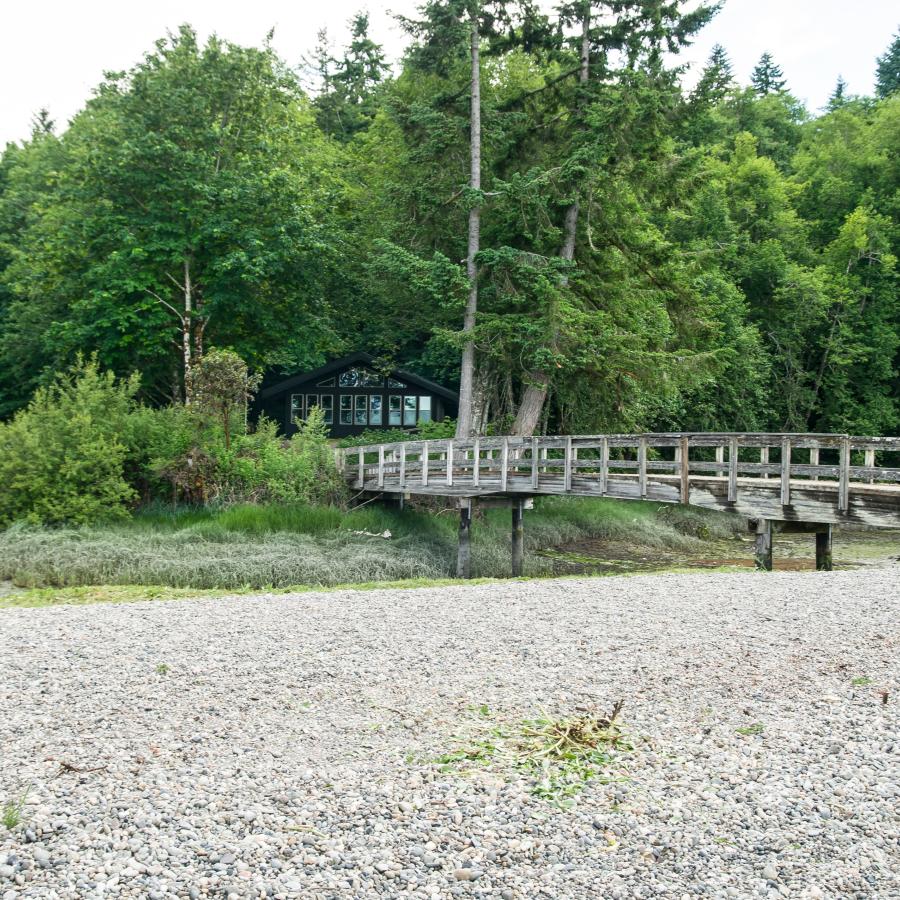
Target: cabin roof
[{"x": 355, "y": 359}]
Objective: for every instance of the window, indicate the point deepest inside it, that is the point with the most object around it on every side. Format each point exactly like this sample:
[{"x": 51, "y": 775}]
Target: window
[
  {"x": 311, "y": 401},
  {"x": 346, "y": 410},
  {"x": 360, "y": 411},
  {"x": 326, "y": 401},
  {"x": 328, "y": 382},
  {"x": 424, "y": 409},
  {"x": 360, "y": 378},
  {"x": 394, "y": 406},
  {"x": 375, "y": 404},
  {"x": 392, "y": 382},
  {"x": 409, "y": 410},
  {"x": 297, "y": 414}
]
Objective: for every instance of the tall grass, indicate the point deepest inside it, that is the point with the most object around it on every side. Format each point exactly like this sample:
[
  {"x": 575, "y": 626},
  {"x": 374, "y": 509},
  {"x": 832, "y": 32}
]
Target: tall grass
[{"x": 279, "y": 546}]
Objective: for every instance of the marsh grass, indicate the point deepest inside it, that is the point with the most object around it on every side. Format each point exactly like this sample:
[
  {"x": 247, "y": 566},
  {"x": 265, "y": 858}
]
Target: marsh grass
[
  {"x": 269, "y": 547},
  {"x": 11, "y": 813}
]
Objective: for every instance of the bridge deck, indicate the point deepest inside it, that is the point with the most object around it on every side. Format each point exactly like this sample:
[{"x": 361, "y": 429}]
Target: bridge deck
[{"x": 831, "y": 479}]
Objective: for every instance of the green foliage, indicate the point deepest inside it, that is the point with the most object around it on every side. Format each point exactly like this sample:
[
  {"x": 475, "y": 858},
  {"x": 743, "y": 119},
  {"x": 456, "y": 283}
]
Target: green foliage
[
  {"x": 221, "y": 383},
  {"x": 734, "y": 262},
  {"x": 62, "y": 458}
]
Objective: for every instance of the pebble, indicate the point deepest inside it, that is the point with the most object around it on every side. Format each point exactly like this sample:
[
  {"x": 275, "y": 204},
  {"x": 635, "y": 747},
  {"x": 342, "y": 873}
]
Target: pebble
[{"x": 290, "y": 750}]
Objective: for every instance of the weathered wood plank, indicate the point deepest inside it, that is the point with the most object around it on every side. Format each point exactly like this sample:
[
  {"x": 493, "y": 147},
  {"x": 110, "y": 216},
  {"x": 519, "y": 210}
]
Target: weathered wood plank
[
  {"x": 785, "y": 471},
  {"x": 732, "y": 469}
]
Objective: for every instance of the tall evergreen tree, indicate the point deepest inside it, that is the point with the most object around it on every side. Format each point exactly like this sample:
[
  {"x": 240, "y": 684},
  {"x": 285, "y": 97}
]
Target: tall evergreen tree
[
  {"x": 346, "y": 102},
  {"x": 717, "y": 77},
  {"x": 839, "y": 95},
  {"x": 767, "y": 77},
  {"x": 887, "y": 75}
]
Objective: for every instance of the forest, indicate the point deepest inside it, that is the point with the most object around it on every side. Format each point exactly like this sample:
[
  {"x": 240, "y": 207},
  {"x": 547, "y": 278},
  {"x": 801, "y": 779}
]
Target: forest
[{"x": 536, "y": 195}]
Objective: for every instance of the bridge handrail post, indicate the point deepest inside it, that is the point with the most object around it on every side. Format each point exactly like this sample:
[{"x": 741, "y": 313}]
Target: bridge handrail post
[
  {"x": 764, "y": 460},
  {"x": 642, "y": 466},
  {"x": 402, "y": 476},
  {"x": 844, "y": 476},
  {"x": 425, "y": 453},
  {"x": 733, "y": 453},
  {"x": 685, "y": 491},
  {"x": 449, "y": 463},
  {"x": 476, "y": 462},
  {"x": 361, "y": 462},
  {"x": 381, "y": 465},
  {"x": 504, "y": 462},
  {"x": 814, "y": 460},
  {"x": 604, "y": 465},
  {"x": 535, "y": 471},
  {"x": 567, "y": 465},
  {"x": 785, "y": 471}
]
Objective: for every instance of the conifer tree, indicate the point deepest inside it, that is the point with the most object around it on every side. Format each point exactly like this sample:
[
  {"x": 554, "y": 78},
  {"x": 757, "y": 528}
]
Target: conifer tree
[
  {"x": 767, "y": 77},
  {"x": 717, "y": 77},
  {"x": 887, "y": 76},
  {"x": 839, "y": 95}
]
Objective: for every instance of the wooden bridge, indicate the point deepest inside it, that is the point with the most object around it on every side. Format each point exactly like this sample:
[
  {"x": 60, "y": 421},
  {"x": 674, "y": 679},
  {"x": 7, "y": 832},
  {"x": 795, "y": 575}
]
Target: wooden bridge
[{"x": 786, "y": 482}]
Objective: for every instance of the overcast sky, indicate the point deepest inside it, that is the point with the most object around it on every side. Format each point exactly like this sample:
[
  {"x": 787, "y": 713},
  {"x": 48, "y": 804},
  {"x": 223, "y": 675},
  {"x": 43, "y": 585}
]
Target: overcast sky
[{"x": 53, "y": 52}]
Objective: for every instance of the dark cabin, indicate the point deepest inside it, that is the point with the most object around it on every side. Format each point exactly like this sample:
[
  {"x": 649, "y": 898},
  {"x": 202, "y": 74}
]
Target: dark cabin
[{"x": 355, "y": 396}]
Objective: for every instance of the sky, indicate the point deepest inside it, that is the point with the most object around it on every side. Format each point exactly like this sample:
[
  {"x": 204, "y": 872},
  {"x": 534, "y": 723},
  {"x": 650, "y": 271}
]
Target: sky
[{"x": 54, "y": 52}]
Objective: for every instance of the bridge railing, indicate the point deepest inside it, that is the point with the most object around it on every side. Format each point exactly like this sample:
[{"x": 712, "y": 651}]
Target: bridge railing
[{"x": 553, "y": 464}]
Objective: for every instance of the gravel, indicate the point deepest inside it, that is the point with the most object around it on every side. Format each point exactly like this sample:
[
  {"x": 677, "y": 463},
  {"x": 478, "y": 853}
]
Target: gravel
[{"x": 284, "y": 746}]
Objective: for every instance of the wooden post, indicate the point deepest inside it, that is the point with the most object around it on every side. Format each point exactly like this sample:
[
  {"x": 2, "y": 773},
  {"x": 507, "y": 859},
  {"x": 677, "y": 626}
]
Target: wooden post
[
  {"x": 604, "y": 465},
  {"x": 720, "y": 458},
  {"x": 567, "y": 466},
  {"x": 814, "y": 460},
  {"x": 449, "y": 463},
  {"x": 425, "y": 463},
  {"x": 504, "y": 463},
  {"x": 764, "y": 459},
  {"x": 870, "y": 464},
  {"x": 785, "y": 471},
  {"x": 464, "y": 548},
  {"x": 642, "y": 466},
  {"x": 685, "y": 463},
  {"x": 402, "y": 465},
  {"x": 823, "y": 550},
  {"x": 535, "y": 471},
  {"x": 518, "y": 537},
  {"x": 764, "y": 545},
  {"x": 362, "y": 471},
  {"x": 381, "y": 465},
  {"x": 732, "y": 469},
  {"x": 844, "y": 482}
]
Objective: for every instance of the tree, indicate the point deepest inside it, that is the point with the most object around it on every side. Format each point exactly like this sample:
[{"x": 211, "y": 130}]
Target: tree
[
  {"x": 221, "y": 383},
  {"x": 767, "y": 77},
  {"x": 189, "y": 202},
  {"x": 887, "y": 74},
  {"x": 839, "y": 95},
  {"x": 348, "y": 87},
  {"x": 716, "y": 79}
]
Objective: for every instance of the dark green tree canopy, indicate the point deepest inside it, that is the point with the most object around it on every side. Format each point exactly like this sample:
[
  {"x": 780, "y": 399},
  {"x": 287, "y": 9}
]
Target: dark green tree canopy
[
  {"x": 767, "y": 77},
  {"x": 887, "y": 73}
]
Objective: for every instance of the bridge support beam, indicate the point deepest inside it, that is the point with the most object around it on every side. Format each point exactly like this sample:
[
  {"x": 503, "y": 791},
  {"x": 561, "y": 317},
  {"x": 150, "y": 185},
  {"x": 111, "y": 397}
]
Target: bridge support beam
[
  {"x": 518, "y": 537},
  {"x": 764, "y": 545},
  {"x": 824, "y": 561},
  {"x": 464, "y": 547}
]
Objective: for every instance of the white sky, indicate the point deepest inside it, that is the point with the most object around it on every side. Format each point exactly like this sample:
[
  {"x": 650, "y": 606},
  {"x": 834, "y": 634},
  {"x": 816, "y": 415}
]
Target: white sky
[{"x": 53, "y": 52}]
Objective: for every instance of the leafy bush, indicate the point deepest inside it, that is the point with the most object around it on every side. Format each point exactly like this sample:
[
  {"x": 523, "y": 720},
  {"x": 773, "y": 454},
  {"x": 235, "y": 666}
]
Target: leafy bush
[
  {"x": 62, "y": 458},
  {"x": 425, "y": 431}
]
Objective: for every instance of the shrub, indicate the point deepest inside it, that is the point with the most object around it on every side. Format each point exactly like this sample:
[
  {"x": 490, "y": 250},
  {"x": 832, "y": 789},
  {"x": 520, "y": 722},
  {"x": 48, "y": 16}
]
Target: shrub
[
  {"x": 426, "y": 431},
  {"x": 62, "y": 458}
]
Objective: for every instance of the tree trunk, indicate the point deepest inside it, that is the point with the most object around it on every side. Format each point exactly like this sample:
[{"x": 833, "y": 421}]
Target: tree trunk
[
  {"x": 538, "y": 380},
  {"x": 186, "y": 323},
  {"x": 465, "y": 422}
]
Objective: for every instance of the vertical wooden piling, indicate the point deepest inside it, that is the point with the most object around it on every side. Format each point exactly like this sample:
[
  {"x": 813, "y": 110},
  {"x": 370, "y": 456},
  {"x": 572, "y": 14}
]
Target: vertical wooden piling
[
  {"x": 518, "y": 537},
  {"x": 464, "y": 547},
  {"x": 824, "y": 561},
  {"x": 764, "y": 545}
]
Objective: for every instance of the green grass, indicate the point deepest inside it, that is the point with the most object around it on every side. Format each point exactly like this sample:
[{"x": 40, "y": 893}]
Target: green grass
[
  {"x": 11, "y": 813},
  {"x": 747, "y": 730},
  {"x": 238, "y": 548}
]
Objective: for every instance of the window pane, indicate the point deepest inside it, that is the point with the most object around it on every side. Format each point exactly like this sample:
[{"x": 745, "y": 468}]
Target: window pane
[
  {"x": 347, "y": 410},
  {"x": 360, "y": 378},
  {"x": 326, "y": 401},
  {"x": 311, "y": 401},
  {"x": 296, "y": 407},
  {"x": 409, "y": 410},
  {"x": 394, "y": 410},
  {"x": 375, "y": 409},
  {"x": 424, "y": 409},
  {"x": 361, "y": 407}
]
